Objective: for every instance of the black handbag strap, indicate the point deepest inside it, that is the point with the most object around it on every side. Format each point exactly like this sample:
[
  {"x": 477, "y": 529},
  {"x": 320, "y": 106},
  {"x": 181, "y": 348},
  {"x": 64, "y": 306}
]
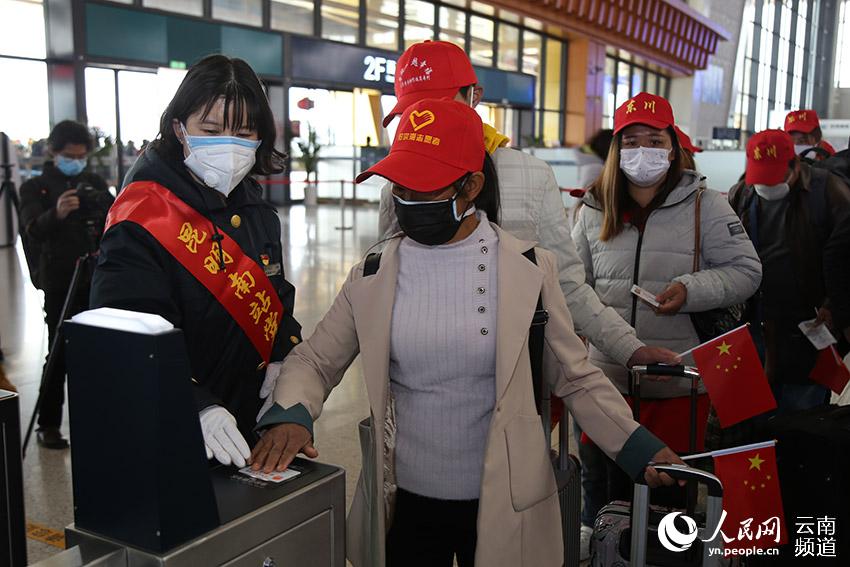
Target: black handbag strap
[
  {"x": 372, "y": 263},
  {"x": 536, "y": 338},
  {"x": 697, "y": 227}
]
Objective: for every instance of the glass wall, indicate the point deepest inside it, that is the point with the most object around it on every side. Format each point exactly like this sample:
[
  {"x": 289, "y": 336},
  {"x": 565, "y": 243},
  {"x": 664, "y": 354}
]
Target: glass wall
[
  {"x": 777, "y": 54},
  {"x": 418, "y": 21},
  {"x": 382, "y": 24},
  {"x": 340, "y": 20},
  {"x": 24, "y": 110},
  {"x": 508, "y": 47},
  {"x": 842, "y": 47},
  {"x": 625, "y": 76},
  {"x": 22, "y": 30},
  {"x": 553, "y": 93},
  {"x": 453, "y": 25},
  {"x": 294, "y": 16},
  {"x": 191, "y": 7},
  {"x": 481, "y": 41},
  {"x": 24, "y": 104},
  {"x": 248, "y": 12}
]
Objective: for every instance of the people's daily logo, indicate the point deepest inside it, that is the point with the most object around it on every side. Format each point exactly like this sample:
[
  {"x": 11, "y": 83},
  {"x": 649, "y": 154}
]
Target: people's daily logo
[{"x": 670, "y": 536}]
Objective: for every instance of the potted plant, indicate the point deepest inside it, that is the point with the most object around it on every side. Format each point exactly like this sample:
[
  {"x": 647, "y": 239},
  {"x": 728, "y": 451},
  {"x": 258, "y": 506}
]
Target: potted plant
[{"x": 310, "y": 160}]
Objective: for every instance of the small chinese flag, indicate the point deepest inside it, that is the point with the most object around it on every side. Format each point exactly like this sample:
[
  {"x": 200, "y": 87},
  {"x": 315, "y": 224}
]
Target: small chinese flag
[
  {"x": 732, "y": 373},
  {"x": 752, "y": 499},
  {"x": 830, "y": 370}
]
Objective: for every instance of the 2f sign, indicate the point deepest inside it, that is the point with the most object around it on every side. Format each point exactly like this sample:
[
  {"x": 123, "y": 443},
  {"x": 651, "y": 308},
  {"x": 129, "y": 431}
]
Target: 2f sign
[{"x": 378, "y": 68}]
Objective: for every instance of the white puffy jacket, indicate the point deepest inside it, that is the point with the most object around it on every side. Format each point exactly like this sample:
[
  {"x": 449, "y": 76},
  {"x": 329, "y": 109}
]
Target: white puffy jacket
[{"x": 730, "y": 271}]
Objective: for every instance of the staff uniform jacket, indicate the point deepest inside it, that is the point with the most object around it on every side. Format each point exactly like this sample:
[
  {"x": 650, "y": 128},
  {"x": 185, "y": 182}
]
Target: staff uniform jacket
[
  {"x": 135, "y": 272},
  {"x": 519, "y": 518},
  {"x": 730, "y": 271},
  {"x": 532, "y": 209}
]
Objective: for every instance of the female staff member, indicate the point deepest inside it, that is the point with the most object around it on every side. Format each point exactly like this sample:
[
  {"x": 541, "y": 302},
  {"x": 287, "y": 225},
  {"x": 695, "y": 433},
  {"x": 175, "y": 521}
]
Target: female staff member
[
  {"x": 190, "y": 238},
  {"x": 637, "y": 227},
  {"x": 443, "y": 330}
]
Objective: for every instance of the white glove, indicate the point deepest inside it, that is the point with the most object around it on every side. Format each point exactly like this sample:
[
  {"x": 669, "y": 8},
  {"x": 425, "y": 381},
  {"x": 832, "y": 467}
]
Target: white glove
[
  {"x": 222, "y": 438},
  {"x": 267, "y": 389}
]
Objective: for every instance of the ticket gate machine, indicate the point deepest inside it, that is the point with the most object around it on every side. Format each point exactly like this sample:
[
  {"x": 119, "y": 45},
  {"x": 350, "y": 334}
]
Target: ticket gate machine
[{"x": 144, "y": 492}]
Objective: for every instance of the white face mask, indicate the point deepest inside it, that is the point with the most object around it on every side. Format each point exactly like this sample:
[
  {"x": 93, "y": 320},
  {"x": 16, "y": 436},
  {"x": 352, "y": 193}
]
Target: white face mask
[
  {"x": 772, "y": 192},
  {"x": 799, "y": 149},
  {"x": 221, "y": 162},
  {"x": 644, "y": 166}
]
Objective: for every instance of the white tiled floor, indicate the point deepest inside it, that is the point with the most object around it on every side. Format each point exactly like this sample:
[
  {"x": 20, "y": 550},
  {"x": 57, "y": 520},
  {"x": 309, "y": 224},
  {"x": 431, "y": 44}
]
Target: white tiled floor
[{"x": 318, "y": 257}]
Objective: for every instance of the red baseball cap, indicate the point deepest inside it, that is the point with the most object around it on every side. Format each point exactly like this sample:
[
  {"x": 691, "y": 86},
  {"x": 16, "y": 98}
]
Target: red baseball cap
[
  {"x": 431, "y": 69},
  {"x": 644, "y": 108},
  {"x": 438, "y": 141},
  {"x": 802, "y": 121},
  {"x": 685, "y": 141},
  {"x": 768, "y": 155}
]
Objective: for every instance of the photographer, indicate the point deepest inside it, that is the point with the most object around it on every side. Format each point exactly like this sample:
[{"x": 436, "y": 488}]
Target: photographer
[{"x": 63, "y": 211}]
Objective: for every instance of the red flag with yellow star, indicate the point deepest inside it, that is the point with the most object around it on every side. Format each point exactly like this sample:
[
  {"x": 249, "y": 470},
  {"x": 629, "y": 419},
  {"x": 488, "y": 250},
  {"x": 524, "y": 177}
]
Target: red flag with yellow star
[
  {"x": 830, "y": 370},
  {"x": 752, "y": 499},
  {"x": 732, "y": 373}
]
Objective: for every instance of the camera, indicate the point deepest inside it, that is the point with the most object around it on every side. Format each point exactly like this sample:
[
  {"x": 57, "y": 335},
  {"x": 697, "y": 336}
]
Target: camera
[{"x": 94, "y": 204}]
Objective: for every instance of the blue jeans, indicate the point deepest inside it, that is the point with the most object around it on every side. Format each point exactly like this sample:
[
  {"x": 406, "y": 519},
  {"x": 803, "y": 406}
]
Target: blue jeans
[{"x": 594, "y": 479}]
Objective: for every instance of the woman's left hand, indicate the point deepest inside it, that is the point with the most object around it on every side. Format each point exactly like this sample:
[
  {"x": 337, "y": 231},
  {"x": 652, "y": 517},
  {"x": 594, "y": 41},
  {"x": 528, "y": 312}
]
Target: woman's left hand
[{"x": 672, "y": 299}]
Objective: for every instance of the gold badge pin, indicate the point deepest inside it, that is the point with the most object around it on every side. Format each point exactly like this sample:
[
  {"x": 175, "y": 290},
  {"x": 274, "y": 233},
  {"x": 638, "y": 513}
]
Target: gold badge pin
[
  {"x": 294, "y": 340},
  {"x": 235, "y": 221}
]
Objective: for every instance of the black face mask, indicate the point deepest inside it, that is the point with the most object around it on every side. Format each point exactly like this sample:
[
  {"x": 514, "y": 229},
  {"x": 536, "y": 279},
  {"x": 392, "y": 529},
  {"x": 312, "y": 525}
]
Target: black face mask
[{"x": 426, "y": 222}]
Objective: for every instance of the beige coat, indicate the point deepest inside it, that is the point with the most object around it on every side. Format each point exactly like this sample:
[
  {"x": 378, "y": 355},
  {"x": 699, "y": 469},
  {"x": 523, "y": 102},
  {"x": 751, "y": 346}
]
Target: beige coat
[{"x": 518, "y": 518}]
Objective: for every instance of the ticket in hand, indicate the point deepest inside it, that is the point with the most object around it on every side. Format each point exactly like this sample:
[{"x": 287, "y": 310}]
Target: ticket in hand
[
  {"x": 818, "y": 335},
  {"x": 273, "y": 476},
  {"x": 645, "y": 295}
]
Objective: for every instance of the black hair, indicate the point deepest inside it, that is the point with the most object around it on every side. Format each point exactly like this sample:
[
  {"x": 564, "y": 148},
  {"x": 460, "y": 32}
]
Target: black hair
[
  {"x": 214, "y": 77},
  {"x": 488, "y": 199},
  {"x": 69, "y": 132},
  {"x": 600, "y": 142}
]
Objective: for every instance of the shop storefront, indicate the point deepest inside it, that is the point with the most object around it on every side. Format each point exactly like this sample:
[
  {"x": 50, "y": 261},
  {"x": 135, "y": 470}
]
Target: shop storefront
[{"x": 344, "y": 91}]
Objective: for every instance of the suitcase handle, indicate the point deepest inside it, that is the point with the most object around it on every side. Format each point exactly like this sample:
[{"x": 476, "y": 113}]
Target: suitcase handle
[
  {"x": 684, "y": 472},
  {"x": 640, "y": 512},
  {"x": 667, "y": 370}
]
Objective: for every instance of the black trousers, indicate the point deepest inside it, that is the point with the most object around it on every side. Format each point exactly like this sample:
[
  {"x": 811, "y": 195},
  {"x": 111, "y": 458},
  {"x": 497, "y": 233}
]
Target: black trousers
[
  {"x": 53, "y": 396},
  {"x": 427, "y": 532}
]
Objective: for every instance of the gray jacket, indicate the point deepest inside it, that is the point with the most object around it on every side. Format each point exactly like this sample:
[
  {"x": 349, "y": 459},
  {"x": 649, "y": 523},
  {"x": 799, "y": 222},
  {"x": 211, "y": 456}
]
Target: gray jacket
[
  {"x": 532, "y": 209},
  {"x": 730, "y": 270}
]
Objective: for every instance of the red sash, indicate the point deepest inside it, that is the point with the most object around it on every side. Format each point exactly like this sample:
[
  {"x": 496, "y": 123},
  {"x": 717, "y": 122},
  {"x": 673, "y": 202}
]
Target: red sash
[{"x": 242, "y": 288}]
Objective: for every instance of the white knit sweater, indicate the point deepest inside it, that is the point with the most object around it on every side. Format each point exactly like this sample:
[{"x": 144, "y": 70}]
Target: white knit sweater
[{"x": 443, "y": 363}]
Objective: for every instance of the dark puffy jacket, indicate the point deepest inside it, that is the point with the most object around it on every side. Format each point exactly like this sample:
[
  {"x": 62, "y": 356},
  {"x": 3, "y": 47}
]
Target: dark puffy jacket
[
  {"x": 57, "y": 244},
  {"x": 818, "y": 240},
  {"x": 137, "y": 273}
]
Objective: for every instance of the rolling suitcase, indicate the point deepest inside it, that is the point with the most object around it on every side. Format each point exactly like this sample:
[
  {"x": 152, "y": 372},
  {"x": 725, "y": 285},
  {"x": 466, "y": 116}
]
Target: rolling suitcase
[
  {"x": 568, "y": 479},
  {"x": 567, "y": 468},
  {"x": 645, "y": 551},
  {"x": 610, "y": 543}
]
